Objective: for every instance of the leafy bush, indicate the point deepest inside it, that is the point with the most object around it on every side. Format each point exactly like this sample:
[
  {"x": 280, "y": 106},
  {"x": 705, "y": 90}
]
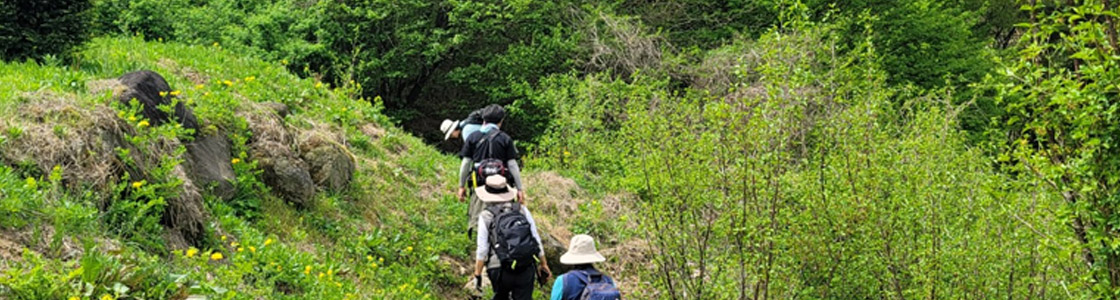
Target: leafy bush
[
  {"x": 805, "y": 180},
  {"x": 35, "y": 29}
]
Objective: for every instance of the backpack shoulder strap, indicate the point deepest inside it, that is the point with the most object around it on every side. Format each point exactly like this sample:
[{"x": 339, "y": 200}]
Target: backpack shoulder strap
[{"x": 487, "y": 139}]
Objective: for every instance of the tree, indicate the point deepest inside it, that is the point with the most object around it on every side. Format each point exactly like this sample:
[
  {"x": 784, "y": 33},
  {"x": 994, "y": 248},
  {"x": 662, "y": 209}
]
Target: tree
[
  {"x": 1063, "y": 122},
  {"x": 33, "y": 29}
]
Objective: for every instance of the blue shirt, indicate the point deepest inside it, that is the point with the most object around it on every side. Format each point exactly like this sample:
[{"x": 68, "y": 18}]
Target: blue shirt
[
  {"x": 468, "y": 130},
  {"x": 569, "y": 287}
]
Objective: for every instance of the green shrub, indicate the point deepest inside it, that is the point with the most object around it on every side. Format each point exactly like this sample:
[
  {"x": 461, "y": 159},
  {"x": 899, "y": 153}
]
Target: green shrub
[{"x": 37, "y": 29}]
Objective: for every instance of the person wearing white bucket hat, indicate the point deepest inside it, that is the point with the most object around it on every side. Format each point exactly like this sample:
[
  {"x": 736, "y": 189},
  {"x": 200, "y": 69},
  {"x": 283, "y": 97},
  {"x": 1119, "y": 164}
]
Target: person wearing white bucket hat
[
  {"x": 462, "y": 128},
  {"x": 583, "y": 281},
  {"x": 508, "y": 245}
]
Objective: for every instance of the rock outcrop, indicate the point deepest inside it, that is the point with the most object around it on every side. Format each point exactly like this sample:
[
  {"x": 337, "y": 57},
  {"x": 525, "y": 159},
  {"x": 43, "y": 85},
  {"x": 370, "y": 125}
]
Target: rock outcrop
[
  {"x": 331, "y": 166},
  {"x": 208, "y": 165},
  {"x": 151, "y": 90},
  {"x": 284, "y": 171}
]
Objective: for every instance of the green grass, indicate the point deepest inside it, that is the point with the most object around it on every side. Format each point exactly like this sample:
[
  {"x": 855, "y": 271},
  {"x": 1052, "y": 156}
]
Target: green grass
[{"x": 384, "y": 237}]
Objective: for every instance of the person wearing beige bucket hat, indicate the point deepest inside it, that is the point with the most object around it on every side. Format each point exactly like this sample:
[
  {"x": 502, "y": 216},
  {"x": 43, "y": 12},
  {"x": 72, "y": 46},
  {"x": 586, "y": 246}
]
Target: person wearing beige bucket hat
[
  {"x": 508, "y": 244},
  {"x": 583, "y": 281}
]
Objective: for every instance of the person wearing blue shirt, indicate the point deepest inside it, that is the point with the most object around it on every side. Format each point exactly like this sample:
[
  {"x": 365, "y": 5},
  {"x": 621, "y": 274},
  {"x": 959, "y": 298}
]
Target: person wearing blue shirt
[{"x": 582, "y": 256}]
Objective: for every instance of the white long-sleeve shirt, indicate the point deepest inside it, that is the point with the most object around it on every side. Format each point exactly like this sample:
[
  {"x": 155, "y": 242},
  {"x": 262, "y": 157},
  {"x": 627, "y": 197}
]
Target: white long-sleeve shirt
[{"x": 482, "y": 245}]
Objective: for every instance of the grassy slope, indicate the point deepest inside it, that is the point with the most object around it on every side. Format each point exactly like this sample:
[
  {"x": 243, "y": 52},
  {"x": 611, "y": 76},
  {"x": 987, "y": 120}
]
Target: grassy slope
[{"x": 393, "y": 234}]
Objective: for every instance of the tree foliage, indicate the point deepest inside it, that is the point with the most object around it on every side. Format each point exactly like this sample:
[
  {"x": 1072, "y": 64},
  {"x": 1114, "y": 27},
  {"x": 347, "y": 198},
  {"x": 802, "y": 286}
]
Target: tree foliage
[
  {"x": 1062, "y": 123},
  {"x": 34, "y": 29}
]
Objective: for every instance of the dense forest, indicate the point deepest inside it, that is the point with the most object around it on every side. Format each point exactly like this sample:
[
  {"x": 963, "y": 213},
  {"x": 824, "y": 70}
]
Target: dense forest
[{"x": 769, "y": 149}]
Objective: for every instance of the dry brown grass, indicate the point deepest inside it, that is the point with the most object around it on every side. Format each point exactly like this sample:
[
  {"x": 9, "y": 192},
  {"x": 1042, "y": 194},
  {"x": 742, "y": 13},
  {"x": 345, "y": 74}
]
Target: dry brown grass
[{"x": 57, "y": 131}]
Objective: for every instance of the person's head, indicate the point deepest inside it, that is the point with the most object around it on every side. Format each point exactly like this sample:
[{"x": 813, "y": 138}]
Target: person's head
[
  {"x": 450, "y": 129},
  {"x": 581, "y": 251},
  {"x": 496, "y": 190},
  {"x": 493, "y": 114}
]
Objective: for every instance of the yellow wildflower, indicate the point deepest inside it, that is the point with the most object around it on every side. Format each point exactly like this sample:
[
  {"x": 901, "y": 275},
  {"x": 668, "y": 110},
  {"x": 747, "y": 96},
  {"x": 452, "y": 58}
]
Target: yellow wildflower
[
  {"x": 307, "y": 270},
  {"x": 235, "y": 161},
  {"x": 330, "y": 272},
  {"x": 338, "y": 284},
  {"x": 75, "y": 298},
  {"x": 206, "y": 94},
  {"x": 163, "y": 94},
  {"x": 216, "y": 256},
  {"x": 369, "y": 257},
  {"x": 267, "y": 241},
  {"x": 252, "y": 249},
  {"x": 106, "y": 297},
  {"x": 320, "y": 274},
  {"x": 250, "y": 78},
  {"x": 199, "y": 86},
  {"x": 374, "y": 265},
  {"x": 234, "y": 244},
  {"x": 223, "y": 238},
  {"x": 143, "y": 124},
  {"x": 239, "y": 249},
  {"x": 227, "y": 83},
  {"x": 283, "y": 61},
  {"x": 191, "y": 252},
  {"x": 132, "y": 118},
  {"x": 175, "y": 93},
  {"x": 137, "y": 184},
  {"x": 319, "y": 84},
  {"x": 409, "y": 249},
  {"x": 566, "y": 153},
  {"x": 216, "y": 44}
]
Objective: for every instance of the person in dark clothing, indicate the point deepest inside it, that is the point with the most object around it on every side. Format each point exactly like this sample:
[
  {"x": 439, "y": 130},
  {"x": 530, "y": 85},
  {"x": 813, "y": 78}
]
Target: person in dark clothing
[
  {"x": 488, "y": 142},
  {"x": 508, "y": 282}
]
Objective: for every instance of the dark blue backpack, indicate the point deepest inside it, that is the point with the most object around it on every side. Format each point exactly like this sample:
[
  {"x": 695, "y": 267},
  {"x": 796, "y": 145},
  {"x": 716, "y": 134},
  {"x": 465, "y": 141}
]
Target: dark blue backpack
[{"x": 596, "y": 286}]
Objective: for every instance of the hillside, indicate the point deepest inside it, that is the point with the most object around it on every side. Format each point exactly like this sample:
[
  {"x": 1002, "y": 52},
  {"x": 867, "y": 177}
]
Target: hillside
[{"x": 393, "y": 232}]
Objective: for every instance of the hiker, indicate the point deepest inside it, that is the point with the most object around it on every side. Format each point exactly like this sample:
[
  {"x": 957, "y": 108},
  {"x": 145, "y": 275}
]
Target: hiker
[
  {"x": 463, "y": 128},
  {"x": 508, "y": 245},
  {"x": 488, "y": 151},
  {"x": 583, "y": 281}
]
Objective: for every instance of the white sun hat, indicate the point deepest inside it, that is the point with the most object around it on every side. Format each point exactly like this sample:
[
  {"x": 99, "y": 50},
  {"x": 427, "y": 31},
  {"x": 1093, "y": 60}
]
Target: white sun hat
[
  {"x": 448, "y": 127},
  {"x": 581, "y": 251},
  {"x": 496, "y": 190}
]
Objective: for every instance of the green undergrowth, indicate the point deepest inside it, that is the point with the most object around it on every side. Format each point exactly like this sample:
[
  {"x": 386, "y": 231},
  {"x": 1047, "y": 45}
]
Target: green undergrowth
[{"x": 392, "y": 234}]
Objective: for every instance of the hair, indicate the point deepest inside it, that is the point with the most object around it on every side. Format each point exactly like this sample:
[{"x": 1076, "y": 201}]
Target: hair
[{"x": 493, "y": 113}]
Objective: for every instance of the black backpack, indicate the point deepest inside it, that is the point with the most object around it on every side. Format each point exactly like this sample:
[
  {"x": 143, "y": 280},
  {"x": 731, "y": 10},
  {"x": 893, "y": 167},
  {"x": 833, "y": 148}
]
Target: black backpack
[
  {"x": 511, "y": 237},
  {"x": 490, "y": 165}
]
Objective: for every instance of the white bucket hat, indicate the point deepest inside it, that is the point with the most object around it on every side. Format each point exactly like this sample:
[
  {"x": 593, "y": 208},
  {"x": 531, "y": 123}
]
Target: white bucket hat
[
  {"x": 496, "y": 190},
  {"x": 448, "y": 127},
  {"x": 581, "y": 251}
]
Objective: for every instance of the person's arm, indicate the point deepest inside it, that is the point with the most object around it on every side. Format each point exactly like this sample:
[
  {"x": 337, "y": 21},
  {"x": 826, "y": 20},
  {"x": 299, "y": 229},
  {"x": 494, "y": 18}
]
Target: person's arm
[
  {"x": 537, "y": 236},
  {"x": 464, "y": 177},
  {"x": 482, "y": 242},
  {"x": 558, "y": 289},
  {"x": 515, "y": 170}
]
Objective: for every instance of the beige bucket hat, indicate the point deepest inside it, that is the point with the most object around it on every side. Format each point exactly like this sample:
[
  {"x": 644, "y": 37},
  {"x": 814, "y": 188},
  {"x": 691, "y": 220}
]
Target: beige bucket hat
[
  {"x": 448, "y": 127},
  {"x": 496, "y": 190},
  {"x": 581, "y": 251}
]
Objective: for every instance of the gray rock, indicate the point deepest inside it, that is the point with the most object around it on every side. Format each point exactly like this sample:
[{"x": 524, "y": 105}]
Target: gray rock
[
  {"x": 553, "y": 249},
  {"x": 331, "y": 166},
  {"x": 289, "y": 179},
  {"x": 208, "y": 165}
]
